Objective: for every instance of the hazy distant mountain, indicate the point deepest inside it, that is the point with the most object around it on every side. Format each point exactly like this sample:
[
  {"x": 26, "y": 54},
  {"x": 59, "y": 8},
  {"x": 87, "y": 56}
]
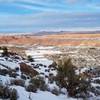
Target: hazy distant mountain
[{"x": 63, "y": 32}]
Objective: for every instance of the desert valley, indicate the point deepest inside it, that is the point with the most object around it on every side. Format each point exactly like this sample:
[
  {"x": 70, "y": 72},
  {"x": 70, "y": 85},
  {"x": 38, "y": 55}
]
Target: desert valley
[
  {"x": 49, "y": 49},
  {"x": 57, "y": 67},
  {"x": 61, "y": 39}
]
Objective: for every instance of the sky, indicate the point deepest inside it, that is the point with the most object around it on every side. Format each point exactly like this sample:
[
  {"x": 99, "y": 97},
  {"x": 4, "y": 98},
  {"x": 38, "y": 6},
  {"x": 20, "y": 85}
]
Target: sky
[{"x": 49, "y": 15}]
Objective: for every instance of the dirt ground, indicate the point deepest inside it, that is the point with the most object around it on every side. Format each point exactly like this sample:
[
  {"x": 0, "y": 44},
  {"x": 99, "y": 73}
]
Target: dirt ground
[{"x": 57, "y": 40}]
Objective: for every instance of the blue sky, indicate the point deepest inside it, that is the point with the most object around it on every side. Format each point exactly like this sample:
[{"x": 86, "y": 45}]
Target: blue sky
[{"x": 49, "y": 15}]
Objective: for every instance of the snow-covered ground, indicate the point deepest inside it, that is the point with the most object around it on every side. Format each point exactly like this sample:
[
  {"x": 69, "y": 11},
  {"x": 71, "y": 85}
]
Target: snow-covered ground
[
  {"x": 40, "y": 95},
  {"x": 39, "y": 56},
  {"x": 40, "y": 60},
  {"x": 39, "y": 52}
]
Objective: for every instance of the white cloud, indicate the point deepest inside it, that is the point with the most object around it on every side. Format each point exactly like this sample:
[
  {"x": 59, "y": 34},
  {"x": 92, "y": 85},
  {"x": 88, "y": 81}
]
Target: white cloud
[
  {"x": 72, "y": 1},
  {"x": 51, "y": 15}
]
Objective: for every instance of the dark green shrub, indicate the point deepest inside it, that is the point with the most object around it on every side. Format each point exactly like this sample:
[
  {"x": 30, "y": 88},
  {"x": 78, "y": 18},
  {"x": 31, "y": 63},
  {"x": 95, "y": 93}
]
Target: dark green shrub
[
  {"x": 23, "y": 77},
  {"x": 4, "y": 92},
  {"x": 55, "y": 91},
  {"x": 7, "y": 93},
  {"x": 53, "y": 65},
  {"x": 31, "y": 88},
  {"x": 13, "y": 74},
  {"x": 39, "y": 83},
  {"x": 76, "y": 85},
  {"x": 5, "y": 51},
  {"x": 30, "y": 59},
  {"x": 65, "y": 72},
  {"x": 4, "y": 72},
  {"x": 18, "y": 82},
  {"x": 17, "y": 69},
  {"x": 36, "y": 81},
  {"x": 13, "y": 94},
  {"x": 51, "y": 78},
  {"x": 97, "y": 81}
]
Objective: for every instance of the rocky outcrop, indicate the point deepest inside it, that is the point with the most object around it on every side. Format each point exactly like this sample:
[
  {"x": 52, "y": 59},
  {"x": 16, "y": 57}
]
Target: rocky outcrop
[{"x": 28, "y": 70}]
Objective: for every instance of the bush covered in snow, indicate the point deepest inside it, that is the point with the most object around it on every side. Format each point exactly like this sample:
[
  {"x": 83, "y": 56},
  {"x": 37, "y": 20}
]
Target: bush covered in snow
[
  {"x": 8, "y": 93},
  {"x": 13, "y": 94},
  {"x": 55, "y": 91},
  {"x": 31, "y": 88},
  {"x": 19, "y": 82},
  {"x": 29, "y": 58},
  {"x": 36, "y": 83},
  {"x": 76, "y": 85}
]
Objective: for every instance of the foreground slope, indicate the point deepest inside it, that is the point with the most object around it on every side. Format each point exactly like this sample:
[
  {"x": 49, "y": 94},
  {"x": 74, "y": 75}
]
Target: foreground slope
[{"x": 17, "y": 73}]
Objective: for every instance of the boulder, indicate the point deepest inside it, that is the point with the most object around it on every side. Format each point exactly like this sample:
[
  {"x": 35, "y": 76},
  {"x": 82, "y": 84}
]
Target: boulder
[{"x": 28, "y": 70}]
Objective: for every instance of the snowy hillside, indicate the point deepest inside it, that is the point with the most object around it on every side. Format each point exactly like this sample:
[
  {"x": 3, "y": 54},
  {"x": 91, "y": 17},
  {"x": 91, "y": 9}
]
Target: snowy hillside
[
  {"x": 12, "y": 64},
  {"x": 21, "y": 73}
]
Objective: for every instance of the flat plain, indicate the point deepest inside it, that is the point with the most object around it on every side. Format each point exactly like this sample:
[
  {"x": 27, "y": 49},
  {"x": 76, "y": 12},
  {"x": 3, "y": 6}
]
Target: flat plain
[{"x": 65, "y": 39}]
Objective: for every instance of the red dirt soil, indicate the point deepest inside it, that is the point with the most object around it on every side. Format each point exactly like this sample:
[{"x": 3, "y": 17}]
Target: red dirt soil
[{"x": 59, "y": 40}]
